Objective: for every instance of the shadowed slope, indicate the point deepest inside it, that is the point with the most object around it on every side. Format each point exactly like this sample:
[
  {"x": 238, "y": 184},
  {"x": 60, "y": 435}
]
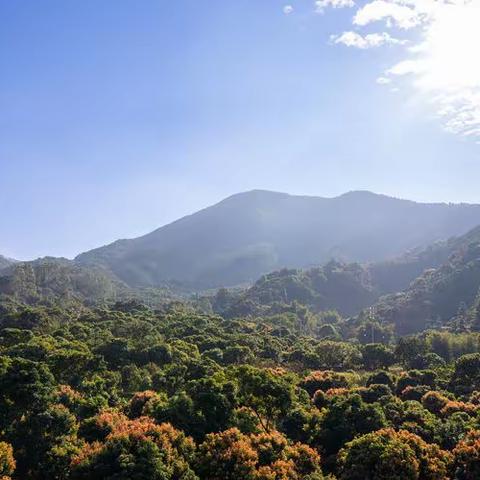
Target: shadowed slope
[{"x": 249, "y": 234}]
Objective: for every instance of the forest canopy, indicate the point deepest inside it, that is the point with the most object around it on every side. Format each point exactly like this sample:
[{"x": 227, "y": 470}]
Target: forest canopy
[{"x": 124, "y": 392}]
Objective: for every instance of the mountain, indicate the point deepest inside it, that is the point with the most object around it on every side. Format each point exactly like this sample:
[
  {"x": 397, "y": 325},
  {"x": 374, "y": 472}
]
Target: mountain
[
  {"x": 58, "y": 280},
  {"x": 437, "y": 286},
  {"x": 345, "y": 287},
  {"x": 5, "y": 262},
  {"x": 252, "y": 233},
  {"x": 449, "y": 292},
  {"x": 62, "y": 282}
]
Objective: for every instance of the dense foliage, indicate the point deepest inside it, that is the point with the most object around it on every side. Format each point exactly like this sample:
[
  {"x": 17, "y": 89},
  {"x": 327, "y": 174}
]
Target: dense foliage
[
  {"x": 58, "y": 281},
  {"x": 448, "y": 294},
  {"x": 306, "y": 374},
  {"x": 398, "y": 296},
  {"x": 126, "y": 392}
]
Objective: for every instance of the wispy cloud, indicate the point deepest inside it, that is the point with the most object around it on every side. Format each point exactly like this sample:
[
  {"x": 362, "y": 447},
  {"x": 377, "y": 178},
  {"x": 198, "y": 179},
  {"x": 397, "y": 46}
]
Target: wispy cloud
[
  {"x": 372, "y": 40},
  {"x": 321, "y": 5},
  {"x": 391, "y": 12},
  {"x": 441, "y": 61},
  {"x": 287, "y": 9}
]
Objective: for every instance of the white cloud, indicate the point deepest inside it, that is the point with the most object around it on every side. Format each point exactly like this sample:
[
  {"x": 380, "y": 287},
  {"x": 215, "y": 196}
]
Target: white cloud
[
  {"x": 287, "y": 9},
  {"x": 445, "y": 66},
  {"x": 372, "y": 40},
  {"x": 321, "y": 5},
  {"x": 402, "y": 16},
  {"x": 405, "y": 67},
  {"x": 441, "y": 63}
]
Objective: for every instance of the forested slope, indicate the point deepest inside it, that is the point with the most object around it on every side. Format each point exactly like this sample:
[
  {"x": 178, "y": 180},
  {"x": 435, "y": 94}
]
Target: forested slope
[
  {"x": 250, "y": 234},
  {"x": 420, "y": 289},
  {"x": 448, "y": 293},
  {"x": 53, "y": 279},
  {"x": 264, "y": 383}
]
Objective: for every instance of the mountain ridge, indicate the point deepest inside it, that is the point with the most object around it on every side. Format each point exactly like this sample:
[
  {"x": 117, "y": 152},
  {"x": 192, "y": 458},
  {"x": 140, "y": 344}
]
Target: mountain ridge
[
  {"x": 442, "y": 293},
  {"x": 251, "y": 233}
]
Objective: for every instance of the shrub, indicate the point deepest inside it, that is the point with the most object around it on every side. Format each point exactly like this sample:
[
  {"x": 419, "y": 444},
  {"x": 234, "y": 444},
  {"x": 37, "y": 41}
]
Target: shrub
[{"x": 390, "y": 455}]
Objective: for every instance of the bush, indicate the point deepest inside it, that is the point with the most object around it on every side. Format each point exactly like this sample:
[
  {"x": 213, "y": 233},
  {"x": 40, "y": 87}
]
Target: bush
[
  {"x": 391, "y": 455},
  {"x": 323, "y": 380},
  {"x": 467, "y": 457},
  {"x": 434, "y": 402},
  {"x": 231, "y": 455}
]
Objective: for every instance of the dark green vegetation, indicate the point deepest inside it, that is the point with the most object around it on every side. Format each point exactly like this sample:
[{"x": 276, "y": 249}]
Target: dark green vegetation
[
  {"x": 348, "y": 371},
  {"x": 57, "y": 281},
  {"x": 51, "y": 279},
  {"x": 437, "y": 287},
  {"x": 126, "y": 392},
  {"x": 265, "y": 383},
  {"x": 440, "y": 295},
  {"x": 253, "y": 233}
]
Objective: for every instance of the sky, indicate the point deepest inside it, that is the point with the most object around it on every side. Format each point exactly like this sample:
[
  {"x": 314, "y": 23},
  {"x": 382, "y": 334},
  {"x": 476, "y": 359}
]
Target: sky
[{"x": 119, "y": 116}]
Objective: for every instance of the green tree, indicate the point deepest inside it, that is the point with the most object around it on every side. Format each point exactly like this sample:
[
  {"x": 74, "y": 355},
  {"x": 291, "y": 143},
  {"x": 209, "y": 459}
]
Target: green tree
[
  {"x": 137, "y": 449},
  {"x": 324, "y": 380},
  {"x": 467, "y": 457},
  {"x": 336, "y": 355},
  {"x": 376, "y": 355},
  {"x": 231, "y": 455},
  {"x": 39, "y": 439},
  {"x": 466, "y": 377},
  {"x": 26, "y": 387},
  {"x": 391, "y": 455},
  {"x": 408, "y": 348},
  {"x": 269, "y": 394},
  {"x": 346, "y": 418}
]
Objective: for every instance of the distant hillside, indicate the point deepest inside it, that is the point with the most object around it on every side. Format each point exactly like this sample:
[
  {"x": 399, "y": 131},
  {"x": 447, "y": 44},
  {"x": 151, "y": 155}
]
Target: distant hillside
[
  {"x": 5, "y": 262},
  {"x": 60, "y": 281},
  {"x": 438, "y": 295},
  {"x": 250, "y": 234},
  {"x": 57, "y": 280},
  {"x": 345, "y": 287},
  {"x": 394, "y": 275}
]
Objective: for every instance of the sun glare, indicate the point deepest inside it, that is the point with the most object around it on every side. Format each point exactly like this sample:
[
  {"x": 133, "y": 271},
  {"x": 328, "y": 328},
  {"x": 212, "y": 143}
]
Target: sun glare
[{"x": 449, "y": 55}]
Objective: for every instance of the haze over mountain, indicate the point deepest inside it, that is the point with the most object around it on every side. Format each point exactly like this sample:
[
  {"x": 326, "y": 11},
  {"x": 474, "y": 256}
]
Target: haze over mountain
[
  {"x": 439, "y": 294},
  {"x": 252, "y": 233},
  {"x": 5, "y": 262},
  {"x": 412, "y": 292}
]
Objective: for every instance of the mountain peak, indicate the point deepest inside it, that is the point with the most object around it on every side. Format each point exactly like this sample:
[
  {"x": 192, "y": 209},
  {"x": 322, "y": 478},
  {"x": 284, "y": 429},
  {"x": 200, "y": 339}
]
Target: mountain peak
[
  {"x": 362, "y": 193},
  {"x": 255, "y": 195},
  {"x": 254, "y": 232}
]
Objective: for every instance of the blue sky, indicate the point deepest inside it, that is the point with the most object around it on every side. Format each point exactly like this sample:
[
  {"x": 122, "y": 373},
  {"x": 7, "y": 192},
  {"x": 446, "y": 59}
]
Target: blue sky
[{"x": 119, "y": 116}]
